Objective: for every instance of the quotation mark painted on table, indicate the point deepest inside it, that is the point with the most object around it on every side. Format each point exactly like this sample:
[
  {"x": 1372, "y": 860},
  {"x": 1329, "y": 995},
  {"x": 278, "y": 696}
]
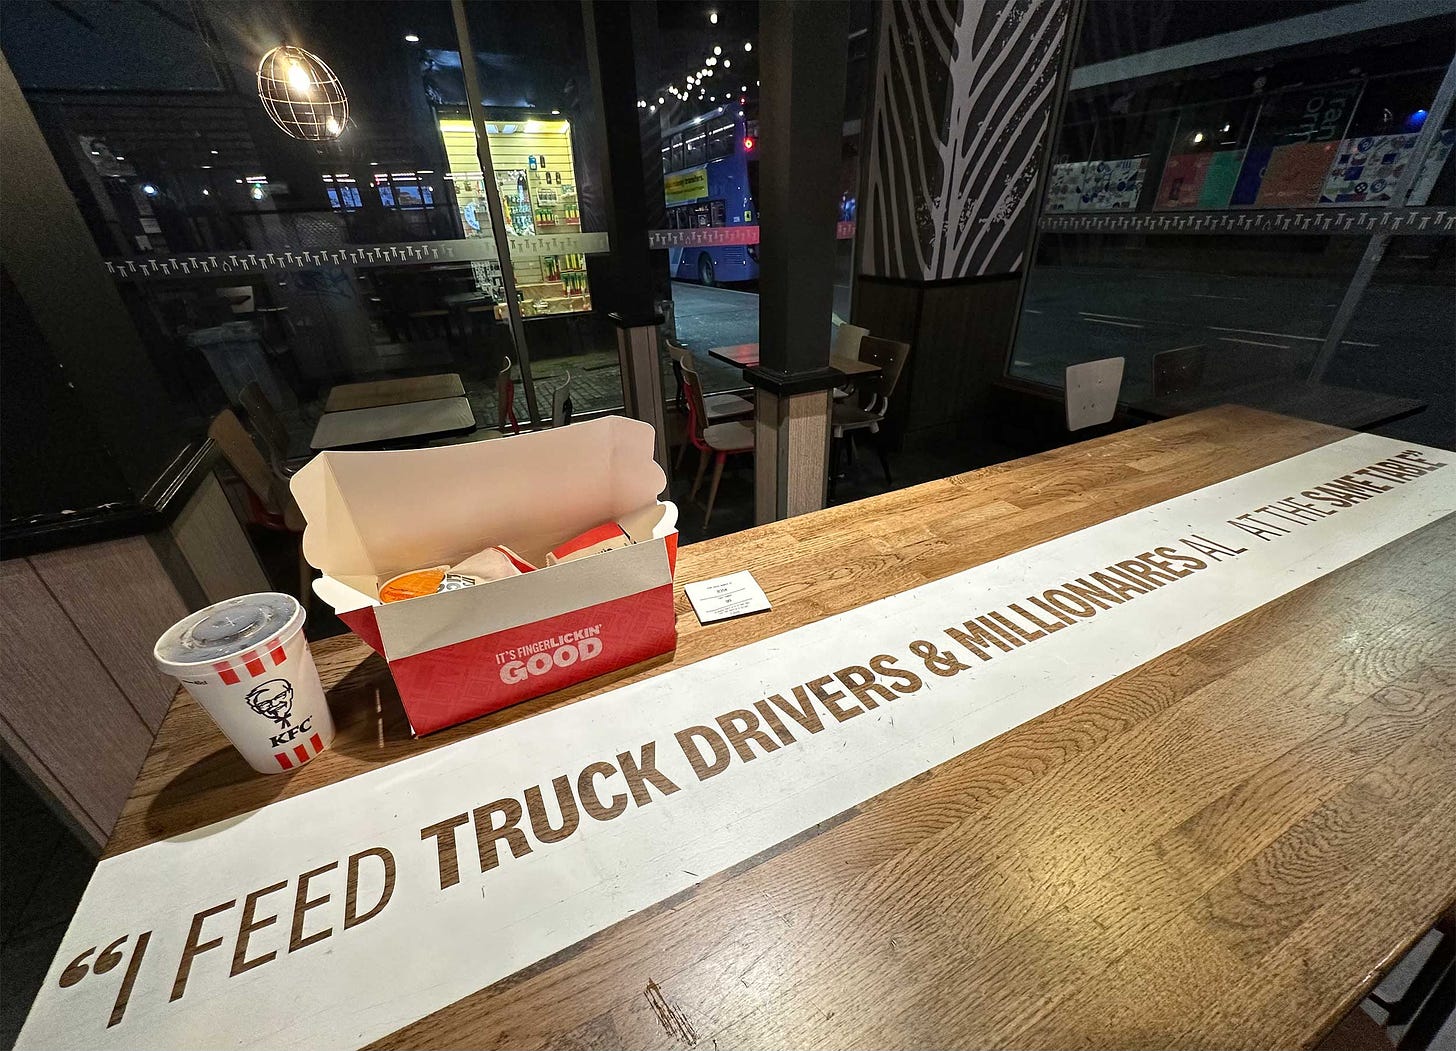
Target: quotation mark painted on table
[{"x": 91, "y": 962}]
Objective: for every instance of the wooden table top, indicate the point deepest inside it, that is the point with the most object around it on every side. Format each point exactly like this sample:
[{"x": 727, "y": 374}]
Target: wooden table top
[
  {"x": 1221, "y": 848},
  {"x": 746, "y": 355},
  {"x": 374, "y": 393},
  {"x": 386, "y": 423}
]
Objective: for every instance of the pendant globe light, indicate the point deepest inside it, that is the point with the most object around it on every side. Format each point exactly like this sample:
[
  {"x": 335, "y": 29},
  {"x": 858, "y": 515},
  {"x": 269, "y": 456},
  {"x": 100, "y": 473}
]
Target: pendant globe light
[{"x": 302, "y": 95}]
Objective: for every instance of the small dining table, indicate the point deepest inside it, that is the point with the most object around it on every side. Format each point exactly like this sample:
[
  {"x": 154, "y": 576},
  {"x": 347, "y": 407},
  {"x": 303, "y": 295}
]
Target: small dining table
[
  {"x": 382, "y": 424},
  {"x": 745, "y": 355},
  {"x": 374, "y": 393}
]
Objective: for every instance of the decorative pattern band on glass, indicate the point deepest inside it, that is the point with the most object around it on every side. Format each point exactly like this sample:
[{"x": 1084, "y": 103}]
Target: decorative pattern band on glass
[
  {"x": 1351, "y": 221},
  {"x": 707, "y": 236},
  {"x": 460, "y": 250}
]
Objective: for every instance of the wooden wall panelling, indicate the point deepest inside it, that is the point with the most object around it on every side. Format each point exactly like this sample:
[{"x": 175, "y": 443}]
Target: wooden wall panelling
[
  {"x": 25, "y": 762},
  {"x": 61, "y": 705},
  {"x": 120, "y": 599}
]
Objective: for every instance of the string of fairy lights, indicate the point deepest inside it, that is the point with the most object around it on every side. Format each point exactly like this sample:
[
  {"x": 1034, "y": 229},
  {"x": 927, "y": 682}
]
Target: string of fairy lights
[{"x": 711, "y": 82}]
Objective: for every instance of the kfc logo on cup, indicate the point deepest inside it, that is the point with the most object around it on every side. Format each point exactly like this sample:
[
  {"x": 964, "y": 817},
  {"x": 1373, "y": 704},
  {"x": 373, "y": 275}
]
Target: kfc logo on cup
[{"x": 274, "y": 700}]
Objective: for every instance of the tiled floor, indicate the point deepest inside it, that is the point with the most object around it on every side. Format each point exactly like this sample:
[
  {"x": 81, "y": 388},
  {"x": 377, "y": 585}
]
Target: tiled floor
[{"x": 43, "y": 870}]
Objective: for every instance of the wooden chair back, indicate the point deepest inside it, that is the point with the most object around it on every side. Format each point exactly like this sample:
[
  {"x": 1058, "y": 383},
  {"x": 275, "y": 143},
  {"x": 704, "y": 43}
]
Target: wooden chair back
[
  {"x": 1179, "y": 370},
  {"x": 697, "y": 409},
  {"x": 1092, "y": 391},
  {"x": 505, "y": 399},
  {"x": 847, "y": 339},
  {"x": 875, "y": 390}
]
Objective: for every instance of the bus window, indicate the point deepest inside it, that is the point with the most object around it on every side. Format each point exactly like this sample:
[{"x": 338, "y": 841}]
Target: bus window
[
  {"x": 694, "y": 152},
  {"x": 701, "y": 215},
  {"x": 666, "y": 159},
  {"x": 715, "y": 214},
  {"x": 676, "y": 164},
  {"x": 720, "y": 141}
]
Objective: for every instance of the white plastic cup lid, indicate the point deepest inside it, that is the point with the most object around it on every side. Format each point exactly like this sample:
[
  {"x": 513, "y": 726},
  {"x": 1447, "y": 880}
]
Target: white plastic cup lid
[{"x": 226, "y": 629}]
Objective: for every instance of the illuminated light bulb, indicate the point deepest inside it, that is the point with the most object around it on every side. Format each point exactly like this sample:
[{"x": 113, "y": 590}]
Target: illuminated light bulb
[
  {"x": 661, "y": 100},
  {"x": 747, "y": 46},
  {"x": 332, "y": 125},
  {"x": 298, "y": 78},
  {"x": 717, "y": 50},
  {"x": 727, "y": 62},
  {"x": 411, "y": 38},
  {"x": 713, "y": 17}
]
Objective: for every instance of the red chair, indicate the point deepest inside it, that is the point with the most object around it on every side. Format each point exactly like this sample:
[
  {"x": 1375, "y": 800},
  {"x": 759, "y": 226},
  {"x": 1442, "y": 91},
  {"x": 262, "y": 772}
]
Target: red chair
[
  {"x": 717, "y": 441},
  {"x": 505, "y": 400}
]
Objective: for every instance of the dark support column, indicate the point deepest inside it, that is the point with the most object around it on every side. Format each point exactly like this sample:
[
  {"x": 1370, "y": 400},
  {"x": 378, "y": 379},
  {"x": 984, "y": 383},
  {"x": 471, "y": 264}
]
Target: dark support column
[
  {"x": 629, "y": 293},
  {"x": 804, "y": 51}
]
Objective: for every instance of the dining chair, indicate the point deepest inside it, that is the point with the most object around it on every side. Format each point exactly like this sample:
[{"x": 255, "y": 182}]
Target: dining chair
[
  {"x": 270, "y": 502},
  {"x": 867, "y": 411},
  {"x": 715, "y": 441},
  {"x": 720, "y": 408},
  {"x": 1092, "y": 390},
  {"x": 561, "y": 403},
  {"x": 505, "y": 400}
]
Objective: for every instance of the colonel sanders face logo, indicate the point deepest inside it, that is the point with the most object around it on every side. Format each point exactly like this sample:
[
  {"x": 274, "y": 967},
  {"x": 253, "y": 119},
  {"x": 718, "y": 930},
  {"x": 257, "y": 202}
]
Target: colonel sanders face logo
[{"x": 274, "y": 699}]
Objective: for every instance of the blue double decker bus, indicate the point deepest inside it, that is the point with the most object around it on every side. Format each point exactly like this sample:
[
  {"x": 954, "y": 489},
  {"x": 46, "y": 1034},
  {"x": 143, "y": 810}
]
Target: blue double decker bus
[{"x": 710, "y": 171}]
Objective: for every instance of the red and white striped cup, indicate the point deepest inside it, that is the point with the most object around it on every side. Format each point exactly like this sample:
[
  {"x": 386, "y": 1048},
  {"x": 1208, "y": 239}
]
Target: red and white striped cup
[{"x": 247, "y": 662}]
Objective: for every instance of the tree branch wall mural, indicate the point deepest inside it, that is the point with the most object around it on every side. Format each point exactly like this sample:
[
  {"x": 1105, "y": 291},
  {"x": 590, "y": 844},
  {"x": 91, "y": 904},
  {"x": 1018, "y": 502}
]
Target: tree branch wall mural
[{"x": 963, "y": 97}]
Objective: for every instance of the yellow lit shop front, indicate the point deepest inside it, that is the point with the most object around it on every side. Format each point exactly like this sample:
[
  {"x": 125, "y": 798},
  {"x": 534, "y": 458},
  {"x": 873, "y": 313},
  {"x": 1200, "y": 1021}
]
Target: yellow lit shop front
[{"x": 535, "y": 178}]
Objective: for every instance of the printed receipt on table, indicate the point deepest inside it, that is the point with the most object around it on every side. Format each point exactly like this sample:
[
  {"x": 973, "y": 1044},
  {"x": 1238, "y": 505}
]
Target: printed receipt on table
[{"x": 735, "y": 595}]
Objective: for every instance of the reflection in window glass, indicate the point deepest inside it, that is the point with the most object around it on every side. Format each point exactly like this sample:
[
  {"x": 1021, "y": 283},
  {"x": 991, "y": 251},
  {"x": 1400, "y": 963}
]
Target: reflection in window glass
[{"x": 1220, "y": 293}]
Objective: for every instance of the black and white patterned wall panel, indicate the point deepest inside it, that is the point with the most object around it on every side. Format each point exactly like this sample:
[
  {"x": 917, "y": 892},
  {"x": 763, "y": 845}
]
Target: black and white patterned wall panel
[{"x": 963, "y": 97}]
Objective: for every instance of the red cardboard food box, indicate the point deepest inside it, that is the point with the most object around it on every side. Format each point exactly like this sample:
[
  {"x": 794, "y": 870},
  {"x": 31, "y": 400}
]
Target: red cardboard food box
[{"x": 459, "y": 654}]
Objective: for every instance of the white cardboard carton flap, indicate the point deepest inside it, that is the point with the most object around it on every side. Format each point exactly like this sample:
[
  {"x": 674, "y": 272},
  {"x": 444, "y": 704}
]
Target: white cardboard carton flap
[{"x": 375, "y": 514}]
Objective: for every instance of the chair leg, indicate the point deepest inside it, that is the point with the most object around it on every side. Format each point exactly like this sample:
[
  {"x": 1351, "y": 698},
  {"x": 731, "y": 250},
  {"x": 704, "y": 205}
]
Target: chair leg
[
  {"x": 682, "y": 450},
  {"x": 702, "y": 469},
  {"x": 718, "y": 462}
]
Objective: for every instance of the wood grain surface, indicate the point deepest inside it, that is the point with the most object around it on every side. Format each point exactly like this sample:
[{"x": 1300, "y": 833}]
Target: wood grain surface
[{"x": 1221, "y": 848}]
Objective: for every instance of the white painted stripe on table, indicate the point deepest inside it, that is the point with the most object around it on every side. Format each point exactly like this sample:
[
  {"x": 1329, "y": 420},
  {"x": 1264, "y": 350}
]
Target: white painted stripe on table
[{"x": 429, "y": 945}]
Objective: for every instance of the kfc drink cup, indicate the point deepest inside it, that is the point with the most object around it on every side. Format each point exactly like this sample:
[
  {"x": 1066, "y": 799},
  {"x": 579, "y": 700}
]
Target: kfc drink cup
[{"x": 246, "y": 661}]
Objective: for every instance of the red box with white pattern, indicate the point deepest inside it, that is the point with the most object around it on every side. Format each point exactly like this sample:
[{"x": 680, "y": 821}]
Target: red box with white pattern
[{"x": 460, "y": 654}]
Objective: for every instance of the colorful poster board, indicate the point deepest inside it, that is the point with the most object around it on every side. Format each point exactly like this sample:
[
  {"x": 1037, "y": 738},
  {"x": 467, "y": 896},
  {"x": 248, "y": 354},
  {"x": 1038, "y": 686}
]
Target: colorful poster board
[
  {"x": 1365, "y": 170},
  {"x": 1096, "y": 186},
  {"x": 1294, "y": 175}
]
